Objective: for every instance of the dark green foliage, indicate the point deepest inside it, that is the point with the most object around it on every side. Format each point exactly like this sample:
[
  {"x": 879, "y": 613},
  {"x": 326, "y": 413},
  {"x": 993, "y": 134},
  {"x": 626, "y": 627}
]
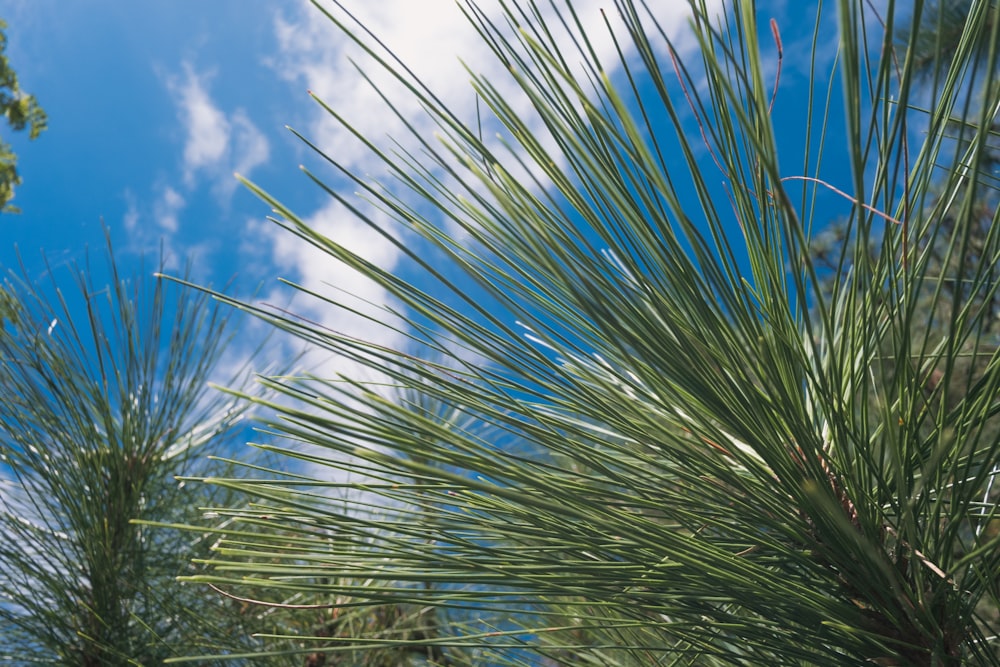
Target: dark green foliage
[
  {"x": 666, "y": 432},
  {"x": 103, "y": 401},
  {"x": 940, "y": 31},
  {"x": 21, "y": 111}
]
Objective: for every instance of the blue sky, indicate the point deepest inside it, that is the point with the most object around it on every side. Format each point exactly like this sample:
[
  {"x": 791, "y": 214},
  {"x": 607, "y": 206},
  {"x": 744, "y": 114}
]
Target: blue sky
[{"x": 154, "y": 105}]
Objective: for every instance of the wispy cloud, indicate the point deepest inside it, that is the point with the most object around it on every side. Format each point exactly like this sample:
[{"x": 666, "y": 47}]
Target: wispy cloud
[
  {"x": 312, "y": 52},
  {"x": 250, "y": 146},
  {"x": 363, "y": 315},
  {"x": 216, "y": 143},
  {"x": 167, "y": 208},
  {"x": 207, "y": 128}
]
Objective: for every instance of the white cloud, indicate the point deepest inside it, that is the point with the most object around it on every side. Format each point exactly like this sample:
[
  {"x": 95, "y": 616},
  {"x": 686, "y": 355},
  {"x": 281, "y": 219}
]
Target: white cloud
[
  {"x": 318, "y": 272},
  {"x": 207, "y": 128},
  {"x": 429, "y": 37},
  {"x": 131, "y": 218},
  {"x": 250, "y": 146},
  {"x": 216, "y": 143},
  {"x": 167, "y": 208}
]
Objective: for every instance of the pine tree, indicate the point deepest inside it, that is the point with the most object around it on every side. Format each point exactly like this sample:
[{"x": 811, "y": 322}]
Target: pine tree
[
  {"x": 670, "y": 434},
  {"x": 104, "y": 404}
]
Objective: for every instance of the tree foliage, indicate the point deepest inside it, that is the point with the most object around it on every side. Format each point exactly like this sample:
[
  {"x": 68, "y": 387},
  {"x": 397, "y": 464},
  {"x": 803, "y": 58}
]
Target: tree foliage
[
  {"x": 104, "y": 402},
  {"x": 666, "y": 432},
  {"x": 939, "y": 34},
  {"x": 21, "y": 111}
]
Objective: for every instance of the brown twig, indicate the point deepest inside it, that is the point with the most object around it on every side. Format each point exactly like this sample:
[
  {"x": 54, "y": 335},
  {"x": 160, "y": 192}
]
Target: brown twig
[
  {"x": 777, "y": 74},
  {"x": 870, "y": 209}
]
